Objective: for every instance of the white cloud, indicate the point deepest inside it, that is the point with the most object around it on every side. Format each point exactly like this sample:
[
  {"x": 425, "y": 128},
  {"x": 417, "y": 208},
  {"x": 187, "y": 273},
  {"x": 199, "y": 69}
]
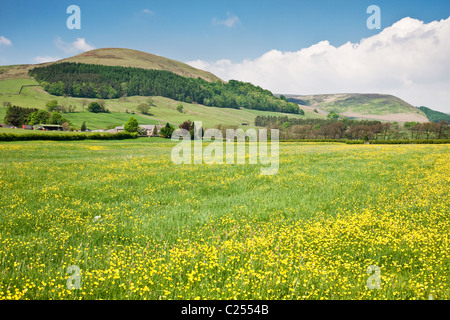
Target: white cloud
[
  {"x": 147, "y": 11},
  {"x": 231, "y": 21},
  {"x": 5, "y": 41},
  {"x": 44, "y": 59},
  {"x": 410, "y": 59},
  {"x": 79, "y": 45}
]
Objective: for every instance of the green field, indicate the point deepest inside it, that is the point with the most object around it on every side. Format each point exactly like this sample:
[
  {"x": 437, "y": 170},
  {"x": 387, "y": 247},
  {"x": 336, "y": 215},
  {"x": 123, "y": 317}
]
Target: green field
[
  {"x": 140, "y": 227},
  {"x": 13, "y": 86}
]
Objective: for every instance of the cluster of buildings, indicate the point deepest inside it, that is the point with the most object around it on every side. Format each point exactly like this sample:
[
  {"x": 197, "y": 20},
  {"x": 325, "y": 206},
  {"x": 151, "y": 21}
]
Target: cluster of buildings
[
  {"x": 45, "y": 127},
  {"x": 151, "y": 130}
]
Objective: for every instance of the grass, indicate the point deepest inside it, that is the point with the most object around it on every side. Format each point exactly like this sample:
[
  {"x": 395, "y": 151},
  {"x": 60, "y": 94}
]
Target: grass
[
  {"x": 164, "y": 111},
  {"x": 103, "y": 120},
  {"x": 13, "y": 86},
  {"x": 140, "y": 227},
  {"x": 15, "y": 72}
]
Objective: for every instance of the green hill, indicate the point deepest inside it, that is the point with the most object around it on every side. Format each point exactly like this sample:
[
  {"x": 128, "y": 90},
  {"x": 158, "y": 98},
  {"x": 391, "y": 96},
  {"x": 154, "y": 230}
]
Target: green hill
[
  {"x": 12, "y": 78},
  {"x": 115, "y": 57},
  {"x": 163, "y": 111},
  {"x": 138, "y": 59},
  {"x": 362, "y": 106},
  {"x": 435, "y": 116},
  {"x": 109, "y": 82}
]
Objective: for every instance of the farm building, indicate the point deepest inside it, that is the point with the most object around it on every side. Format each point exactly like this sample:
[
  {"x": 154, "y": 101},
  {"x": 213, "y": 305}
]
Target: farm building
[
  {"x": 48, "y": 127},
  {"x": 149, "y": 129},
  {"x": 116, "y": 129}
]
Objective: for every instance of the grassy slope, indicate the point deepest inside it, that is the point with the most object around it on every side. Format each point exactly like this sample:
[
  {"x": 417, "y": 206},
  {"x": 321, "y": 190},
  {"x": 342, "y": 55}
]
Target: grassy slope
[
  {"x": 15, "y": 71},
  {"x": 164, "y": 111},
  {"x": 375, "y": 106},
  {"x": 13, "y": 86}
]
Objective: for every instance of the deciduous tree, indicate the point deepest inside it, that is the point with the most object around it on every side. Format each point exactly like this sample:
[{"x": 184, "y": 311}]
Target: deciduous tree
[{"x": 131, "y": 126}]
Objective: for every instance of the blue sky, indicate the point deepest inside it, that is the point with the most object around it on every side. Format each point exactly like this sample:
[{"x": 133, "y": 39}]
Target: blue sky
[
  {"x": 189, "y": 30},
  {"x": 207, "y": 32}
]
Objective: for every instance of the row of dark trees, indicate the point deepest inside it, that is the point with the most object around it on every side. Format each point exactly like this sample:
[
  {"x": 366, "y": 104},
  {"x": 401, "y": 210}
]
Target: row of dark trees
[
  {"x": 108, "y": 82},
  {"x": 18, "y": 116},
  {"x": 293, "y": 128}
]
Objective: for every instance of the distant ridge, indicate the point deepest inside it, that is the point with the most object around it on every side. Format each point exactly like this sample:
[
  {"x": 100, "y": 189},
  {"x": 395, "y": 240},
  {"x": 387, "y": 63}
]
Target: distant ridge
[{"x": 382, "y": 107}]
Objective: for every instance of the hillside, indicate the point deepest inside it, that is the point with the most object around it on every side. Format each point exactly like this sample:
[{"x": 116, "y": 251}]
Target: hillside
[
  {"x": 109, "y": 82},
  {"x": 138, "y": 59},
  {"x": 362, "y": 106},
  {"x": 116, "y": 57},
  {"x": 163, "y": 111},
  {"x": 16, "y": 71}
]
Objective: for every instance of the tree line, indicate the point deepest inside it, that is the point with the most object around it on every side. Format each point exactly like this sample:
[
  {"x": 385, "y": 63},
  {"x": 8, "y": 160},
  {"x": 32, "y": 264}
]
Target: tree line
[
  {"x": 18, "y": 116},
  {"x": 294, "y": 128},
  {"x": 109, "y": 82}
]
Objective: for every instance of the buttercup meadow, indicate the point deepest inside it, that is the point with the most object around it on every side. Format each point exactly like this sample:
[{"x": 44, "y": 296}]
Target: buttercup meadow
[{"x": 139, "y": 226}]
